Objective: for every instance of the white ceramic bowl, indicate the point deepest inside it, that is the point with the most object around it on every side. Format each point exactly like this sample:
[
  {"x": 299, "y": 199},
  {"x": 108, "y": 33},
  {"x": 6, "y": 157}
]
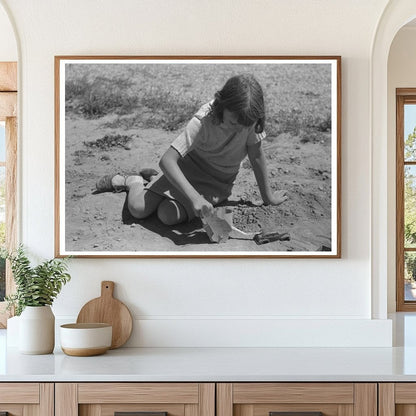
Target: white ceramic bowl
[{"x": 85, "y": 339}]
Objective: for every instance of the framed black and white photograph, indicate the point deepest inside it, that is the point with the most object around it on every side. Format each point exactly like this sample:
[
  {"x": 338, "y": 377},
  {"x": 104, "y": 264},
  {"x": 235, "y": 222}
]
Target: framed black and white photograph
[{"x": 198, "y": 156}]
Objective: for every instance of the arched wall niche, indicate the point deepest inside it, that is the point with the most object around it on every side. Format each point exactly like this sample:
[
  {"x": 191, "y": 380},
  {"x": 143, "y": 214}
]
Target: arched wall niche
[
  {"x": 396, "y": 15},
  {"x": 9, "y": 46}
]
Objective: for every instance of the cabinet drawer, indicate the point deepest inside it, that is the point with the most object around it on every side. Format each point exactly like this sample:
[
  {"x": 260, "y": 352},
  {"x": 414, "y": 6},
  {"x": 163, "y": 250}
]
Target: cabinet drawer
[
  {"x": 397, "y": 399},
  {"x": 19, "y": 393},
  {"x": 21, "y": 399},
  {"x": 138, "y": 393},
  {"x": 147, "y": 399},
  {"x": 293, "y": 399}
]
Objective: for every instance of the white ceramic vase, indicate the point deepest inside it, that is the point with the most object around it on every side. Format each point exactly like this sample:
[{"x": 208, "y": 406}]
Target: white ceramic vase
[
  {"x": 37, "y": 330},
  {"x": 12, "y": 334}
]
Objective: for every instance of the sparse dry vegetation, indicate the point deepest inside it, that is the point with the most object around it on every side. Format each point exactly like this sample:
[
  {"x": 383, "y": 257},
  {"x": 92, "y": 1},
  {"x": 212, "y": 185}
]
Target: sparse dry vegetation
[{"x": 169, "y": 99}]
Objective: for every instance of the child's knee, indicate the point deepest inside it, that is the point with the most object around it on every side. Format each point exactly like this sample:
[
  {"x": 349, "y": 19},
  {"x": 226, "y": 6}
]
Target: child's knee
[
  {"x": 171, "y": 212},
  {"x": 142, "y": 204},
  {"x": 137, "y": 209},
  {"x": 137, "y": 206}
]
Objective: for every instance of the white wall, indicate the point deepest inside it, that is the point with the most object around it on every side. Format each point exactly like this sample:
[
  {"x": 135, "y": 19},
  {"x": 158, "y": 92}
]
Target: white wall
[
  {"x": 8, "y": 46},
  {"x": 203, "y": 302},
  {"x": 401, "y": 74}
]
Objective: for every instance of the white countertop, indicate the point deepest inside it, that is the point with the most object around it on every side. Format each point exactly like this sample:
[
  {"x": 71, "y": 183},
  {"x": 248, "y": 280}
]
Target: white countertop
[
  {"x": 215, "y": 364},
  {"x": 221, "y": 364}
]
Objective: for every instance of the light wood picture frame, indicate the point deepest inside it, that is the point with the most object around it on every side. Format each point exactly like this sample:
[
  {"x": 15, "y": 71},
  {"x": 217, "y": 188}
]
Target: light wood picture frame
[{"x": 118, "y": 115}]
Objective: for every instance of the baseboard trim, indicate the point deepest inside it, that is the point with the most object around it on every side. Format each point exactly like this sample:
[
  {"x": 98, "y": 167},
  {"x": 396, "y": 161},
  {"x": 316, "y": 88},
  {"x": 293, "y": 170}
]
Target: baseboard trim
[{"x": 257, "y": 332}]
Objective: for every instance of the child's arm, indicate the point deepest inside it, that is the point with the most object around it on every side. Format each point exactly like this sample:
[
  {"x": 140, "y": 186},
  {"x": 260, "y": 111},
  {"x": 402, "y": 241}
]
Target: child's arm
[
  {"x": 258, "y": 162},
  {"x": 169, "y": 165}
]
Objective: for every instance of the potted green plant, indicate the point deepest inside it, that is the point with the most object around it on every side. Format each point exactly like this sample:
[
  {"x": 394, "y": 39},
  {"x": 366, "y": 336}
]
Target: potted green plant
[{"x": 36, "y": 289}]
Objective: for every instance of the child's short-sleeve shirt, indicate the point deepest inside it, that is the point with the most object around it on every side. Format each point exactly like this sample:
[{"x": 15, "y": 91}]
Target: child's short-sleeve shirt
[{"x": 221, "y": 149}]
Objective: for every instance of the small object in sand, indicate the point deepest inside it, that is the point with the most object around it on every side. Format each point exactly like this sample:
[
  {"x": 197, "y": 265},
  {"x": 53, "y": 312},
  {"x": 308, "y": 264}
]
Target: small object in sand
[{"x": 264, "y": 238}]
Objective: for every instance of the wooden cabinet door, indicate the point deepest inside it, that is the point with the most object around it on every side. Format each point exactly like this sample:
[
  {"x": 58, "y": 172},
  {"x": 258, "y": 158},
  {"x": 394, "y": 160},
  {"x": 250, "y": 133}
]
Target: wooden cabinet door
[
  {"x": 397, "y": 399},
  {"x": 26, "y": 399},
  {"x": 297, "y": 399},
  {"x": 143, "y": 399}
]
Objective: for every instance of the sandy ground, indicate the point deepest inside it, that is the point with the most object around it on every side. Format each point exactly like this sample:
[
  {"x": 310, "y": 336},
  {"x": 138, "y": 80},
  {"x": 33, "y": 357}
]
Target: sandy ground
[{"x": 98, "y": 222}]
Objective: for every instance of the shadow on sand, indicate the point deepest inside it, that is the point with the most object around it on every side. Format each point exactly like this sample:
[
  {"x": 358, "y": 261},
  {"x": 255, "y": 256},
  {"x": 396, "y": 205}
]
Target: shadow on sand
[{"x": 181, "y": 234}]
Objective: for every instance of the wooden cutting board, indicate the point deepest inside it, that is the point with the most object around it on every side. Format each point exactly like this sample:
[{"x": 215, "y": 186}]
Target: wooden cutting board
[{"x": 108, "y": 310}]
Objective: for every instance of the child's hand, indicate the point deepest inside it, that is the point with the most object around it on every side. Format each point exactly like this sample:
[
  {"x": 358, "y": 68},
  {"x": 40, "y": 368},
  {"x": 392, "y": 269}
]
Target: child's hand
[
  {"x": 202, "y": 207},
  {"x": 277, "y": 198}
]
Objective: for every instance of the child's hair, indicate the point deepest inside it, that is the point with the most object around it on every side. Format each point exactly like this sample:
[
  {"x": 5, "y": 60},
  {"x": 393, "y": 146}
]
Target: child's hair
[{"x": 243, "y": 96}]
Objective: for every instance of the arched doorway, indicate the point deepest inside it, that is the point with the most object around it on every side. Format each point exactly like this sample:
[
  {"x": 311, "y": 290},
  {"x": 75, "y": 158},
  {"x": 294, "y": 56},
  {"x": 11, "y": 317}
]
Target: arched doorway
[{"x": 396, "y": 15}]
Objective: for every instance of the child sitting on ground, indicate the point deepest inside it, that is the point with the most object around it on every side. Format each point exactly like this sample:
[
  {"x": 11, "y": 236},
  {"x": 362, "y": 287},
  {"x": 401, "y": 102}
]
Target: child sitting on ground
[{"x": 201, "y": 165}]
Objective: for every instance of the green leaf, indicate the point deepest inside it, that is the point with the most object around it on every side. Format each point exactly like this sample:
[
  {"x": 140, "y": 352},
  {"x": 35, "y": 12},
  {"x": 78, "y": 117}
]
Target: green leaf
[{"x": 35, "y": 286}]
